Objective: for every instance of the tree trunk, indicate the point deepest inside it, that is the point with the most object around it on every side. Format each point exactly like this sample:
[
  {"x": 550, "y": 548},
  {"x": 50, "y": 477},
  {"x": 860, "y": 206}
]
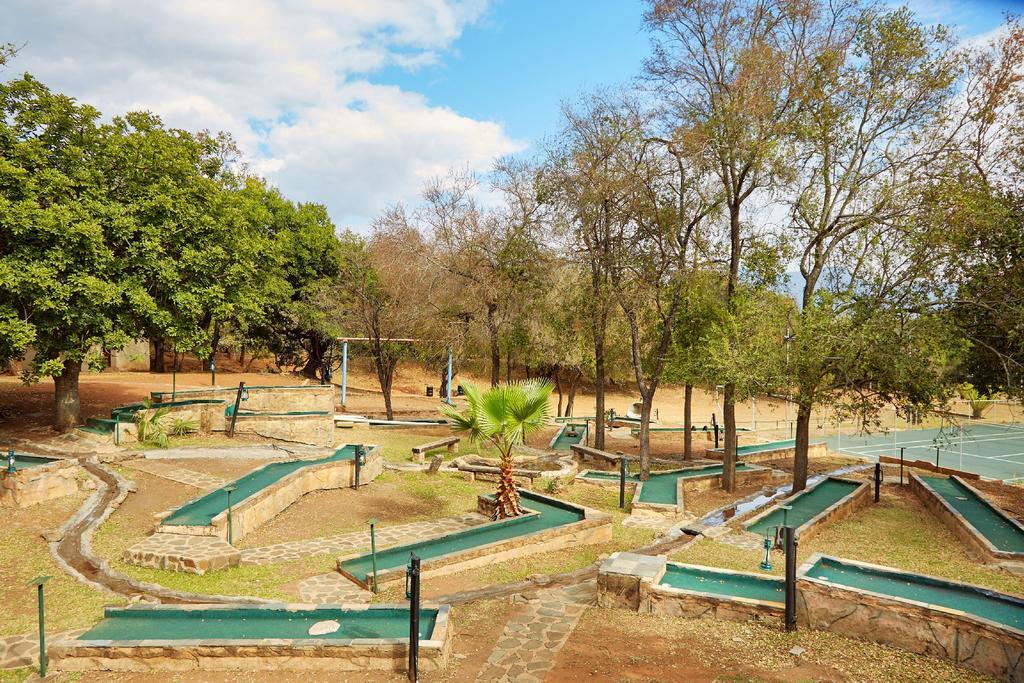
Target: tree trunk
[
  {"x": 313, "y": 369},
  {"x": 558, "y": 388},
  {"x": 386, "y": 377},
  {"x": 156, "y": 358},
  {"x": 729, "y": 459},
  {"x": 645, "y": 436},
  {"x": 572, "y": 392},
  {"x": 803, "y": 437},
  {"x": 599, "y": 393},
  {"x": 688, "y": 422},
  {"x": 65, "y": 389},
  {"x": 508, "y": 366},
  {"x": 492, "y": 332},
  {"x": 507, "y": 497}
]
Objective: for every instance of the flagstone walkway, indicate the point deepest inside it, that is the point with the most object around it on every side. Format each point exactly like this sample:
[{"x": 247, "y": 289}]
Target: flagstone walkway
[
  {"x": 535, "y": 632},
  {"x": 182, "y": 475}
]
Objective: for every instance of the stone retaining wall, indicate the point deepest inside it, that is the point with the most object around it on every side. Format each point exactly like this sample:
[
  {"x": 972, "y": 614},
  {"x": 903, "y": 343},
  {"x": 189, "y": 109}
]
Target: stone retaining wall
[
  {"x": 596, "y": 527},
  {"x": 315, "y": 430},
  {"x": 282, "y": 399},
  {"x": 207, "y": 417},
  {"x": 259, "y": 508},
  {"x": 976, "y": 544},
  {"x": 970, "y": 641},
  {"x": 308, "y": 654},
  {"x": 41, "y": 483},
  {"x": 629, "y": 581}
]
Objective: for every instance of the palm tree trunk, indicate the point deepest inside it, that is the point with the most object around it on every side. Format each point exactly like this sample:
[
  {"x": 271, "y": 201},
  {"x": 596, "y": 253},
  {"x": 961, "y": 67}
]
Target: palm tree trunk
[{"x": 507, "y": 496}]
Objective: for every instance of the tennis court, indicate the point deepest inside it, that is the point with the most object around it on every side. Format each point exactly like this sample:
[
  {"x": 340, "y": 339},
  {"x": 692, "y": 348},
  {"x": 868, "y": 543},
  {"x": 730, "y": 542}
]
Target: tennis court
[{"x": 990, "y": 449}]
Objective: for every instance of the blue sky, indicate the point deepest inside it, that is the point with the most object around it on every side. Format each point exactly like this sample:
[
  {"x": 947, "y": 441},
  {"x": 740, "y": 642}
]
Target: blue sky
[{"x": 355, "y": 104}]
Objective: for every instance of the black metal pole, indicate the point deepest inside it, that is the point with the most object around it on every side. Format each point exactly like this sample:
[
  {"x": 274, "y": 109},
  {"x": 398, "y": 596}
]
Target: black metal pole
[
  {"x": 790, "y": 578},
  {"x": 901, "y": 465},
  {"x": 238, "y": 401},
  {"x": 936, "y": 457},
  {"x": 878, "y": 480},
  {"x": 414, "y": 617},
  {"x": 359, "y": 464},
  {"x": 622, "y": 480}
]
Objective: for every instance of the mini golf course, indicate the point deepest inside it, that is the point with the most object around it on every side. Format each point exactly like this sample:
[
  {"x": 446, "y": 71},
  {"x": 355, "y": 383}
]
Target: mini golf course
[
  {"x": 546, "y": 514},
  {"x": 201, "y": 511},
  {"x": 570, "y": 434},
  {"x": 1000, "y": 608},
  {"x": 988, "y": 520},
  {"x": 723, "y": 583},
  {"x": 233, "y": 637},
  {"x": 806, "y": 505},
  {"x": 23, "y": 461},
  {"x": 248, "y": 623},
  {"x": 660, "y": 488}
]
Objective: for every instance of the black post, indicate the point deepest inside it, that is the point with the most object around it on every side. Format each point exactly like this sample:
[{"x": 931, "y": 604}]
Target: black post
[
  {"x": 936, "y": 457},
  {"x": 238, "y": 401},
  {"x": 414, "y": 617},
  {"x": 901, "y": 466},
  {"x": 790, "y": 578},
  {"x": 622, "y": 480},
  {"x": 213, "y": 370},
  {"x": 878, "y": 480},
  {"x": 360, "y": 455}
]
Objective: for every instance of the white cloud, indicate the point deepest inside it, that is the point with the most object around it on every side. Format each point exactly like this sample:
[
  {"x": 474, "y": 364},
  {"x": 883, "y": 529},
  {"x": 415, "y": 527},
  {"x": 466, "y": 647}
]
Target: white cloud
[{"x": 291, "y": 79}]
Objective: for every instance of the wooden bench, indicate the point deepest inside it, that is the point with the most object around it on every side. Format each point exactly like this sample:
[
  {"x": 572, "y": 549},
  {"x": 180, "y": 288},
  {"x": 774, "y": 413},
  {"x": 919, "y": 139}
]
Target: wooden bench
[
  {"x": 452, "y": 442},
  {"x": 588, "y": 454},
  {"x": 491, "y": 473}
]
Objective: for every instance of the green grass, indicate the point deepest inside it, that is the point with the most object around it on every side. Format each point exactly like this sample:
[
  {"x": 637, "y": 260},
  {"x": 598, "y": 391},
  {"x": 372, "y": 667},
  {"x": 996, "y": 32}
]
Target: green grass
[
  {"x": 69, "y": 604},
  {"x": 896, "y": 532}
]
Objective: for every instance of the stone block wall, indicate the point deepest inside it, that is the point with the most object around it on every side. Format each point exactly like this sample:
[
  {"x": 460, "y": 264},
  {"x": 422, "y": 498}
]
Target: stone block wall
[
  {"x": 41, "y": 483},
  {"x": 813, "y": 450},
  {"x": 282, "y": 399},
  {"x": 913, "y": 627},
  {"x": 314, "y": 430}
]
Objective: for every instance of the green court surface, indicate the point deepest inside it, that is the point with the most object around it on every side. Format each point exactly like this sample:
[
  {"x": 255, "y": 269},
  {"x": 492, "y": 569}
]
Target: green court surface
[
  {"x": 806, "y": 505},
  {"x": 246, "y": 623},
  {"x": 549, "y": 514},
  {"x": 201, "y": 511},
  {"x": 564, "y": 439},
  {"x": 24, "y": 462},
  {"x": 1000, "y": 531},
  {"x": 660, "y": 488},
  {"x": 707, "y": 580},
  {"x": 1002, "y": 609},
  {"x": 989, "y": 449}
]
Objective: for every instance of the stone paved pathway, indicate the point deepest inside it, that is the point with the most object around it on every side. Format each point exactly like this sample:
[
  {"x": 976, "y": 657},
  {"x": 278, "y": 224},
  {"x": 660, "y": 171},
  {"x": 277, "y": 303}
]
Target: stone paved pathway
[
  {"x": 18, "y": 651},
  {"x": 535, "y": 632},
  {"x": 648, "y": 519},
  {"x": 742, "y": 539},
  {"x": 360, "y": 540},
  {"x": 331, "y": 588},
  {"x": 200, "y": 480}
]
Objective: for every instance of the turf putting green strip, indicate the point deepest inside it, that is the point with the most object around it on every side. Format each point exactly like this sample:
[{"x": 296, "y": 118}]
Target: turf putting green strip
[
  {"x": 564, "y": 440},
  {"x": 1002, "y": 609},
  {"x": 254, "y": 624},
  {"x": 549, "y": 515},
  {"x": 1000, "y": 532},
  {"x": 24, "y": 462},
  {"x": 201, "y": 511},
  {"x": 707, "y": 580},
  {"x": 661, "y": 488},
  {"x": 806, "y": 505},
  {"x": 761, "y": 447}
]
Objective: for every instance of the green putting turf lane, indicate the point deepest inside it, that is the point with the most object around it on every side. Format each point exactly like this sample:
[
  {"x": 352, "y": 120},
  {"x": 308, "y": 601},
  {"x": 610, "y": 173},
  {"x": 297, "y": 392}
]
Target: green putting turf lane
[
  {"x": 1003, "y": 534},
  {"x": 707, "y": 580},
  {"x": 661, "y": 488},
  {"x": 550, "y": 516},
  {"x": 254, "y": 624},
  {"x": 806, "y": 505},
  {"x": 761, "y": 447},
  {"x": 977, "y": 601},
  {"x": 24, "y": 462},
  {"x": 201, "y": 511},
  {"x": 563, "y": 441}
]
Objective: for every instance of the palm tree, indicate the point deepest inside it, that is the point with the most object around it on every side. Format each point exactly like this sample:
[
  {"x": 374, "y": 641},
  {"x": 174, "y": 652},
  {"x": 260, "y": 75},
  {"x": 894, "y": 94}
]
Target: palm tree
[{"x": 503, "y": 416}]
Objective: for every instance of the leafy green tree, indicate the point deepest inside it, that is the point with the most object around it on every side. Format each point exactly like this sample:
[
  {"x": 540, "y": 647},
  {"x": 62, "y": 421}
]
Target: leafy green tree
[
  {"x": 66, "y": 274},
  {"x": 503, "y": 416}
]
